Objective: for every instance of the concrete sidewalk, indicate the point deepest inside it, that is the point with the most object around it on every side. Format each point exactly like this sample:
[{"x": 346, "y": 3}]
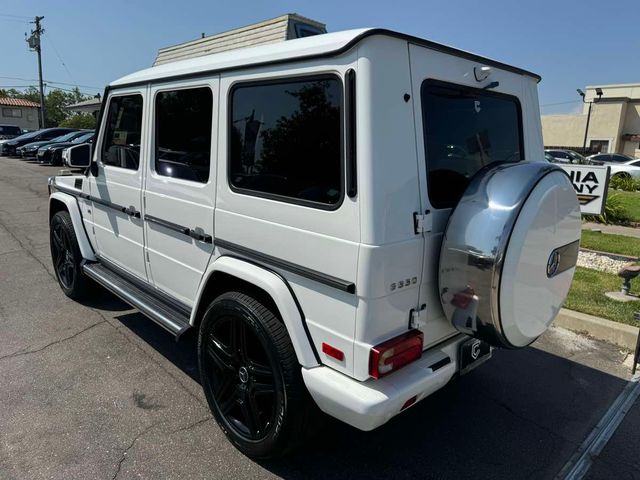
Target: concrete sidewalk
[{"x": 617, "y": 229}]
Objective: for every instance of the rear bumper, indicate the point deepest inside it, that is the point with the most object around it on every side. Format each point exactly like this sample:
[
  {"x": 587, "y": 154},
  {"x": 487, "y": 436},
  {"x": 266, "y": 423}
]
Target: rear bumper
[{"x": 367, "y": 405}]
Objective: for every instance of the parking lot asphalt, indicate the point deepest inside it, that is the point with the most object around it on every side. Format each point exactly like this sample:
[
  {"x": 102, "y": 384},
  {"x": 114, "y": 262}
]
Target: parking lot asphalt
[{"x": 97, "y": 391}]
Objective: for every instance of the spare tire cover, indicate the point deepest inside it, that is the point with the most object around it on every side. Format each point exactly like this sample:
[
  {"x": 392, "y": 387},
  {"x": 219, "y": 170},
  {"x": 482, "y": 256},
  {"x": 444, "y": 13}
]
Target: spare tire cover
[{"x": 509, "y": 253}]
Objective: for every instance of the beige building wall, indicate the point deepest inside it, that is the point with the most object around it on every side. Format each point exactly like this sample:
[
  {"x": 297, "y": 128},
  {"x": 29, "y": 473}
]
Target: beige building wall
[
  {"x": 615, "y": 118},
  {"x": 563, "y": 130}
]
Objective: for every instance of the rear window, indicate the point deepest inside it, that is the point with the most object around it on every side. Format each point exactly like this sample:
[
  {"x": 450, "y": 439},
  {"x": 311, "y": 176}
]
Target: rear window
[
  {"x": 466, "y": 129},
  {"x": 7, "y": 130}
]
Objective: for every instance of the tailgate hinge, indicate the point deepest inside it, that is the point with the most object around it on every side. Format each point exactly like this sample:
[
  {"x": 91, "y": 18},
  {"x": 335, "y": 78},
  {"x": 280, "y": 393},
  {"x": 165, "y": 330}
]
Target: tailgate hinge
[
  {"x": 417, "y": 317},
  {"x": 422, "y": 223}
]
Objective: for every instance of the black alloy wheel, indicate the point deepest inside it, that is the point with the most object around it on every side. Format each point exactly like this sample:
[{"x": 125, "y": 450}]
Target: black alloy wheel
[
  {"x": 251, "y": 376},
  {"x": 243, "y": 378},
  {"x": 66, "y": 256}
]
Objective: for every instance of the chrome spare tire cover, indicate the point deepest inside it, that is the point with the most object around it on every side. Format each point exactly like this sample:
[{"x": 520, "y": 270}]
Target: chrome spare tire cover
[{"x": 509, "y": 253}]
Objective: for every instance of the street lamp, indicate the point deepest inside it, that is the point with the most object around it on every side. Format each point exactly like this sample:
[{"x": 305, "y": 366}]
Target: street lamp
[{"x": 586, "y": 128}]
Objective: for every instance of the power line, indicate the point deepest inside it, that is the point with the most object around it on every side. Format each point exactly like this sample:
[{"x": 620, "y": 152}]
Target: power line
[
  {"x": 560, "y": 103},
  {"x": 59, "y": 56},
  {"x": 14, "y": 16},
  {"x": 51, "y": 81}
]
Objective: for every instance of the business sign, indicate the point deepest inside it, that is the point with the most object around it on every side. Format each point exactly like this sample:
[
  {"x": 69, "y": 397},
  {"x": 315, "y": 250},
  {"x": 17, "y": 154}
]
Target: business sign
[{"x": 591, "y": 183}]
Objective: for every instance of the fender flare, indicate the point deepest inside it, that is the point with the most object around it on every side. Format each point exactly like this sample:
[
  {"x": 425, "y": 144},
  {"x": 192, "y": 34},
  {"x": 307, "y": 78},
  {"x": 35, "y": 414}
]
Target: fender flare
[
  {"x": 279, "y": 290},
  {"x": 76, "y": 219}
]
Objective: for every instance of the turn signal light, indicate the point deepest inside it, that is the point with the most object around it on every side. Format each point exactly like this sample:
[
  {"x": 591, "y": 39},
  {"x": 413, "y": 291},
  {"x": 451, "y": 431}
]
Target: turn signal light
[{"x": 395, "y": 353}]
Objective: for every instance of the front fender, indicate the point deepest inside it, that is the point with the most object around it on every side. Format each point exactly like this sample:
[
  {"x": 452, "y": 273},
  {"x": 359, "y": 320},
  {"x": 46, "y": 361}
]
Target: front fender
[
  {"x": 76, "y": 218},
  {"x": 274, "y": 285}
]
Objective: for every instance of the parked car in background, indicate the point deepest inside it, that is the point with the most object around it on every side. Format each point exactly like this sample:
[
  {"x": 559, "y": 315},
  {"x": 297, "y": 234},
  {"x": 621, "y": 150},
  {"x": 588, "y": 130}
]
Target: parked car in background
[
  {"x": 9, "y": 148},
  {"x": 9, "y": 131},
  {"x": 52, "y": 153},
  {"x": 31, "y": 149},
  {"x": 609, "y": 158},
  {"x": 549, "y": 158},
  {"x": 625, "y": 166},
  {"x": 566, "y": 156}
]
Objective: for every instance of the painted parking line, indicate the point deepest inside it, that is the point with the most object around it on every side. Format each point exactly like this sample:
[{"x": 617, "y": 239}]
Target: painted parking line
[{"x": 579, "y": 464}]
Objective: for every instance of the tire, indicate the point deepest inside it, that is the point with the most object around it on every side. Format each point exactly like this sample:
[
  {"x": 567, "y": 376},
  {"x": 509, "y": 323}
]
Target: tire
[
  {"x": 66, "y": 256},
  {"x": 251, "y": 377},
  {"x": 622, "y": 175}
]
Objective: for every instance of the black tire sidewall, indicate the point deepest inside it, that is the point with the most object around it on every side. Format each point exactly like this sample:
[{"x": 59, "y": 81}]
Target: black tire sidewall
[
  {"x": 276, "y": 443},
  {"x": 76, "y": 288}
]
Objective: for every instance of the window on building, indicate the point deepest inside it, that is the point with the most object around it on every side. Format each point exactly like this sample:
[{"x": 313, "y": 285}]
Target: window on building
[
  {"x": 466, "y": 129},
  {"x": 599, "y": 146},
  {"x": 121, "y": 144},
  {"x": 183, "y": 133},
  {"x": 11, "y": 112},
  {"x": 285, "y": 140}
]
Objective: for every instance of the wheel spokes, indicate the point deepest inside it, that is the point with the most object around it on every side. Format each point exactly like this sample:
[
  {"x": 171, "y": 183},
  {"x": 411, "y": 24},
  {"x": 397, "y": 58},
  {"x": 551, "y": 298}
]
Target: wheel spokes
[{"x": 220, "y": 357}]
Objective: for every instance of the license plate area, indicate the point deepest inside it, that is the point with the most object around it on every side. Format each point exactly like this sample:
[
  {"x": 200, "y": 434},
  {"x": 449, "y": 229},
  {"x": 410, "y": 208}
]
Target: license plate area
[{"x": 472, "y": 354}]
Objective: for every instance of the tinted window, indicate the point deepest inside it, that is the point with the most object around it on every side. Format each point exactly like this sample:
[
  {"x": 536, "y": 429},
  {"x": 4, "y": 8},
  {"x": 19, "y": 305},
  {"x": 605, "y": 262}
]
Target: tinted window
[
  {"x": 466, "y": 129},
  {"x": 8, "y": 130},
  {"x": 121, "y": 144},
  {"x": 601, "y": 158},
  {"x": 67, "y": 137},
  {"x": 620, "y": 158},
  {"x": 285, "y": 140},
  {"x": 183, "y": 133}
]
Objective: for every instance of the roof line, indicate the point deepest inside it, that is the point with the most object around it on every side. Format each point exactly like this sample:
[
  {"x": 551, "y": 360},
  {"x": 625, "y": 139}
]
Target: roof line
[{"x": 346, "y": 47}]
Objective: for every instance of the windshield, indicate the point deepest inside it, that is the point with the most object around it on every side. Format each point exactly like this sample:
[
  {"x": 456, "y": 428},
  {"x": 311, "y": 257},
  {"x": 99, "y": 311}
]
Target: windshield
[
  {"x": 83, "y": 138},
  {"x": 66, "y": 137},
  {"x": 27, "y": 135},
  {"x": 466, "y": 129},
  {"x": 576, "y": 155}
]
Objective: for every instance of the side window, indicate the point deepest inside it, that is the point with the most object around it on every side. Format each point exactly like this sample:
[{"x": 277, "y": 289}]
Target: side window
[
  {"x": 285, "y": 140},
  {"x": 183, "y": 133},
  {"x": 121, "y": 143}
]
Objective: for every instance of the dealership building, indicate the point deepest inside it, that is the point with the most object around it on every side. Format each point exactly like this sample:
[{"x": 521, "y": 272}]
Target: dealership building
[{"x": 613, "y": 125}]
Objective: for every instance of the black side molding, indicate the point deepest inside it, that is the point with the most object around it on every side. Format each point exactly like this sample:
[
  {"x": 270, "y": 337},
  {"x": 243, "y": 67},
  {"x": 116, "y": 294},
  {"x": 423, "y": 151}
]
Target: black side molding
[
  {"x": 114, "y": 206},
  {"x": 203, "y": 237},
  {"x": 259, "y": 257}
]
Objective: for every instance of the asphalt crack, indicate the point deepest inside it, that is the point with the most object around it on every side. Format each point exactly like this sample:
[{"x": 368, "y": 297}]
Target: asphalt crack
[
  {"x": 20, "y": 353},
  {"x": 192, "y": 425},
  {"x": 123, "y": 457}
]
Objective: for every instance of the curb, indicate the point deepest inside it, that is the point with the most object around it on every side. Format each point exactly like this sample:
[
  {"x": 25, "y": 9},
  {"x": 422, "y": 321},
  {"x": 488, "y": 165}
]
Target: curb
[{"x": 620, "y": 334}]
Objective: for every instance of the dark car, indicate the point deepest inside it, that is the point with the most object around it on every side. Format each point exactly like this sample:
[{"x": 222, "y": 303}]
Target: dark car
[
  {"x": 566, "y": 156},
  {"x": 31, "y": 149},
  {"x": 604, "y": 158},
  {"x": 10, "y": 147},
  {"x": 52, "y": 153},
  {"x": 9, "y": 131}
]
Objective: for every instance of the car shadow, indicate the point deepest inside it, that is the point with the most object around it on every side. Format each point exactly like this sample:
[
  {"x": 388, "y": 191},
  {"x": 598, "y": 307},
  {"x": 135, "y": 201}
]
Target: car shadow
[{"x": 520, "y": 415}]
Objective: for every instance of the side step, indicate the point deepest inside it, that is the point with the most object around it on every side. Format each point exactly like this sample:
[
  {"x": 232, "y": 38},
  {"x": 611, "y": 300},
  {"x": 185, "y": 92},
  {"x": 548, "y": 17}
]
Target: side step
[{"x": 171, "y": 319}]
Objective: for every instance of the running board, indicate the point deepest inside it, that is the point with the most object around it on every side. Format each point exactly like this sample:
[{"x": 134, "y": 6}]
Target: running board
[{"x": 165, "y": 315}]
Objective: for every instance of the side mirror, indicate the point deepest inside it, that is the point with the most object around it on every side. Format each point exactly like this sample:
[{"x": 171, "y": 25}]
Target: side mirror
[{"x": 79, "y": 156}]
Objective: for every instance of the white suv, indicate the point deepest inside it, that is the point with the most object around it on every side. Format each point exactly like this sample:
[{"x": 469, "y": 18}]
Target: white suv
[{"x": 348, "y": 220}]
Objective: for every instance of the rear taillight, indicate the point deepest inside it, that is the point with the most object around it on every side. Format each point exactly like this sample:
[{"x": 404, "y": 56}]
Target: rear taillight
[{"x": 395, "y": 353}]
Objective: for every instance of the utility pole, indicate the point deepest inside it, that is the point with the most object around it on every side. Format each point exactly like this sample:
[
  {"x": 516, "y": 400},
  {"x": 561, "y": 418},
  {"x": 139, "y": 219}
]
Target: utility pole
[{"x": 35, "y": 44}]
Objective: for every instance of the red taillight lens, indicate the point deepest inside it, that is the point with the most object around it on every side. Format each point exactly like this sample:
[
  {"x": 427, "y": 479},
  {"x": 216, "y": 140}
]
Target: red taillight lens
[{"x": 395, "y": 353}]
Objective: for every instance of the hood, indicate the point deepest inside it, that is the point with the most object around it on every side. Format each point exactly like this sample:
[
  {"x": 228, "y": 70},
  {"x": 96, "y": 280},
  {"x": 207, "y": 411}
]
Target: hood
[{"x": 35, "y": 144}]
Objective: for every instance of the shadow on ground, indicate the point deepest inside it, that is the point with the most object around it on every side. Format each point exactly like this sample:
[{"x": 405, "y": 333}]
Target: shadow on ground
[{"x": 521, "y": 415}]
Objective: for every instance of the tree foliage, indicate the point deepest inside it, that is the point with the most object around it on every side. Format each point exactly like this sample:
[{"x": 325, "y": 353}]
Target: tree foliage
[
  {"x": 55, "y": 102},
  {"x": 79, "y": 120}
]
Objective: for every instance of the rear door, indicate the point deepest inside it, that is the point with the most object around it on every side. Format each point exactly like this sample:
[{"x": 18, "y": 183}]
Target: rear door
[
  {"x": 460, "y": 128},
  {"x": 179, "y": 195}
]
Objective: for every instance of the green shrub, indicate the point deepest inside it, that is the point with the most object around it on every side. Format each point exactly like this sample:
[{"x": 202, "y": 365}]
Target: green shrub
[
  {"x": 624, "y": 182},
  {"x": 614, "y": 212}
]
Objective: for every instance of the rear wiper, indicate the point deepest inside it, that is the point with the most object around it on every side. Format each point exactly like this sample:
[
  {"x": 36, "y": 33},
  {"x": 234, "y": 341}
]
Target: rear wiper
[{"x": 491, "y": 85}]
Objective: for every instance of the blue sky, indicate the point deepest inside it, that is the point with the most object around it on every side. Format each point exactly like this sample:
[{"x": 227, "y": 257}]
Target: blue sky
[{"x": 571, "y": 43}]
